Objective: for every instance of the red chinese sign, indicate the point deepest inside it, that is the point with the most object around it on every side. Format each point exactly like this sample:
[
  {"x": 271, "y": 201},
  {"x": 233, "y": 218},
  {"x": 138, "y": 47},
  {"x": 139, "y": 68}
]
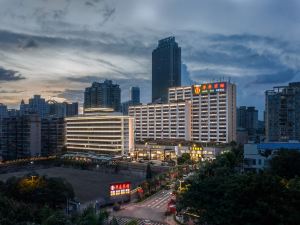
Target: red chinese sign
[
  {"x": 118, "y": 189},
  {"x": 209, "y": 88}
]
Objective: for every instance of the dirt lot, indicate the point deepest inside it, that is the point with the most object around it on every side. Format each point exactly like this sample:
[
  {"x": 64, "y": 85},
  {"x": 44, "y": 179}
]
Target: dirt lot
[{"x": 88, "y": 185}]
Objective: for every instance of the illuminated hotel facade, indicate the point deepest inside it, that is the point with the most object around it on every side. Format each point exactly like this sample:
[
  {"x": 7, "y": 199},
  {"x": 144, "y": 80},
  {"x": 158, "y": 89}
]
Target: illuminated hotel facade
[
  {"x": 211, "y": 116},
  {"x": 162, "y": 121},
  {"x": 213, "y": 110},
  {"x": 100, "y": 132}
]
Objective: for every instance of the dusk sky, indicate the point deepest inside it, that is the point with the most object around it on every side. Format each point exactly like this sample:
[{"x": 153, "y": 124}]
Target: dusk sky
[{"x": 56, "y": 48}]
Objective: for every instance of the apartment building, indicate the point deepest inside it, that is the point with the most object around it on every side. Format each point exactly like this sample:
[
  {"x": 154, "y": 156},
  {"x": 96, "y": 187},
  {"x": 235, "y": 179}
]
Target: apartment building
[
  {"x": 21, "y": 137},
  {"x": 282, "y": 115}
]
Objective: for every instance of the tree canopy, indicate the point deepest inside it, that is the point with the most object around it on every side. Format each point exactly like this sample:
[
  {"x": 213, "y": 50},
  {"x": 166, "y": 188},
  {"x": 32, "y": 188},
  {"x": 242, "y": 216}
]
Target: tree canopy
[
  {"x": 222, "y": 194},
  {"x": 39, "y": 190},
  {"x": 285, "y": 163}
]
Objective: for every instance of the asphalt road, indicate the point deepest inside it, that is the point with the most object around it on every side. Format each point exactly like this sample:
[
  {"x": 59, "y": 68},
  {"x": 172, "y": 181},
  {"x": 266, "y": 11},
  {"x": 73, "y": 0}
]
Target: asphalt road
[{"x": 153, "y": 208}]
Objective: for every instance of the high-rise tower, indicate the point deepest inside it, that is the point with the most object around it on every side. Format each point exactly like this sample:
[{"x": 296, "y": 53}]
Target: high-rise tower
[{"x": 166, "y": 68}]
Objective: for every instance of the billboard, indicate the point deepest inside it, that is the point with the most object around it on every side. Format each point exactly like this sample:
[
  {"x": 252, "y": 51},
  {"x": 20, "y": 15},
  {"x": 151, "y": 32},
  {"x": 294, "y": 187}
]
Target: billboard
[
  {"x": 209, "y": 88},
  {"x": 120, "y": 189}
]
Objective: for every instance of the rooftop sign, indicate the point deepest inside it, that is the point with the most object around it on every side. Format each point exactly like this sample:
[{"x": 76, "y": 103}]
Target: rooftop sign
[{"x": 209, "y": 88}]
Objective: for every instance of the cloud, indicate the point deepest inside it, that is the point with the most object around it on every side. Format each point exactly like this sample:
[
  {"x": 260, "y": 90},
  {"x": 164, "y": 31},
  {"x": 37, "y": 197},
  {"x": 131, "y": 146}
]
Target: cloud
[
  {"x": 30, "y": 44},
  {"x": 252, "y": 42},
  {"x": 125, "y": 85},
  {"x": 72, "y": 95},
  {"x": 185, "y": 76},
  {"x": 10, "y": 91},
  {"x": 84, "y": 79},
  {"x": 276, "y": 78},
  {"x": 10, "y": 75}
]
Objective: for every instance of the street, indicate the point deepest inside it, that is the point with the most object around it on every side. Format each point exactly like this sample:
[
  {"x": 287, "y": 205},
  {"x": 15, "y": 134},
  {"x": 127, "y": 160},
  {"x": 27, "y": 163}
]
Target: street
[{"x": 153, "y": 208}]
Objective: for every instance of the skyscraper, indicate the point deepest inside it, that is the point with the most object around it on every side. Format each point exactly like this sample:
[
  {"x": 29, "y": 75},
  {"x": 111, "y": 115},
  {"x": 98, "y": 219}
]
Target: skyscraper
[
  {"x": 134, "y": 100},
  {"x": 3, "y": 111},
  {"x": 166, "y": 68},
  {"x": 52, "y": 135},
  {"x": 104, "y": 94},
  {"x": 72, "y": 109},
  {"x": 282, "y": 113},
  {"x": 247, "y": 118},
  {"x": 135, "y": 95},
  {"x": 62, "y": 109},
  {"x": 38, "y": 105}
]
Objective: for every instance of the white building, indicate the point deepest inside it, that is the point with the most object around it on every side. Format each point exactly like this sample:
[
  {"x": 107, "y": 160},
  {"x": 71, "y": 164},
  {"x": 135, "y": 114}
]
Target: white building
[
  {"x": 213, "y": 110},
  {"x": 162, "y": 121},
  {"x": 100, "y": 132},
  {"x": 209, "y": 112},
  {"x": 256, "y": 156}
]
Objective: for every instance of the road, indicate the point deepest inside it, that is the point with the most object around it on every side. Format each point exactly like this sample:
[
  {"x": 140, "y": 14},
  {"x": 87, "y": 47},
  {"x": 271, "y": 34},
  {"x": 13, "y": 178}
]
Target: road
[{"x": 153, "y": 208}]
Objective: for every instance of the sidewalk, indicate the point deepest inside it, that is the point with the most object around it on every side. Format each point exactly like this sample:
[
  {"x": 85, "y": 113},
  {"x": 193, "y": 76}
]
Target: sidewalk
[{"x": 170, "y": 220}]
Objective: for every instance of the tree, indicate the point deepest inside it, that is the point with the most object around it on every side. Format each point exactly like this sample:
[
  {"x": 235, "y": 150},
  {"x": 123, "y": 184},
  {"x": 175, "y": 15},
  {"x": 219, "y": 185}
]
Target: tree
[
  {"x": 239, "y": 199},
  {"x": 185, "y": 158},
  {"x": 148, "y": 172},
  {"x": 34, "y": 189},
  {"x": 224, "y": 164},
  {"x": 114, "y": 221},
  {"x": 57, "y": 218},
  {"x": 285, "y": 163}
]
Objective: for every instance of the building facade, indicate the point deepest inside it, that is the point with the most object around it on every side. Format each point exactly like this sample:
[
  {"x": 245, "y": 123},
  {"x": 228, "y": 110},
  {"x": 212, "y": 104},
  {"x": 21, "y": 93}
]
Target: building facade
[
  {"x": 135, "y": 95},
  {"x": 282, "y": 113},
  {"x": 257, "y": 156},
  {"x": 3, "y": 111},
  {"x": 134, "y": 100},
  {"x": 52, "y": 135},
  {"x": 100, "y": 132},
  {"x": 101, "y": 95},
  {"x": 38, "y": 105},
  {"x": 213, "y": 110},
  {"x": 162, "y": 121},
  {"x": 62, "y": 109},
  {"x": 209, "y": 112},
  {"x": 247, "y": 118},
  {"x": 72, "y": 109},
  {"x": 21, "y": 137},
  {"x": 166, "y": 68}
]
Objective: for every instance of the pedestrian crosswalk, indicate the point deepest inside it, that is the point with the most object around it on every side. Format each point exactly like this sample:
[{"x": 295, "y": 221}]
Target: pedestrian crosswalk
[
  {"x": 157, "y": 201},
  {"x": 125, "y": 220}
]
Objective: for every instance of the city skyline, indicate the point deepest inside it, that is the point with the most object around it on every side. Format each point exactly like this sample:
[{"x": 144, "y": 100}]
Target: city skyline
[{"x": 45, "y": 48}]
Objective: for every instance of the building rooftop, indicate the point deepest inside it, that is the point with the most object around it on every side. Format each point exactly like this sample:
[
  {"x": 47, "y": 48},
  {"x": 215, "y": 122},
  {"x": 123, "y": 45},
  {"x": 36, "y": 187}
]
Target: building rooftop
[{"x": 279, "y": 145}]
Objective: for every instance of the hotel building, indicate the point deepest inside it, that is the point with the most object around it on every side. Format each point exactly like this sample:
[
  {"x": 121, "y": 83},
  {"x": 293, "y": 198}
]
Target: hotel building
[
  {"x": 100, "y": 131},
  {"x": 213, "y": 110},
  {"x": 209, "y": 114},
  {"x": 162, "y": 121}
]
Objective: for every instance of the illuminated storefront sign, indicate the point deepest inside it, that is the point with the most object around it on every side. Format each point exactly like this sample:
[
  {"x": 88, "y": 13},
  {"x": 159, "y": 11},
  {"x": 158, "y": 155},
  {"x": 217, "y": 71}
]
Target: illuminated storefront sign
[
  {"x": 196, "y": 153},
  {"x": 209, "y": 88},
  {"x": 119, "y": 189}
]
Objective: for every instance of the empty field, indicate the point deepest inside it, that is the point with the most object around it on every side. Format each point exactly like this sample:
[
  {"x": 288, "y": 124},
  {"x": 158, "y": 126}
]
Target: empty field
[{"x": 88, "y": 185}]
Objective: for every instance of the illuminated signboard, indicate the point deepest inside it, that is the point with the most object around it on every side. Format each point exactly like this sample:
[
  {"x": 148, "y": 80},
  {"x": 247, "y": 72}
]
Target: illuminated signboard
[
  {"x": 119, "y": 189},
  {"x": 209, "y": 88},
  {"x": 196, "y": 148}
]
